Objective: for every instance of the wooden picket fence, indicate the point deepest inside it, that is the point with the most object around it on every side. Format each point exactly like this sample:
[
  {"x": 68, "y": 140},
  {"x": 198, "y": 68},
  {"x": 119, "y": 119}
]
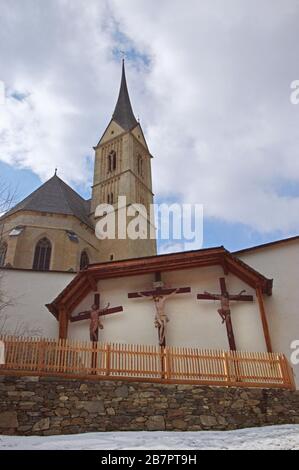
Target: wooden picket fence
[{"x": 82, "y": 359}]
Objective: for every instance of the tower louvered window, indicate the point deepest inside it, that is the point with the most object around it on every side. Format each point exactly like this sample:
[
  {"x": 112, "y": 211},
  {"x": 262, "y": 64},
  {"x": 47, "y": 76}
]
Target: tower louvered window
[
  {"x": 110, "y": 198},
  {"x": 140, "y": 165},
  {"x": 112, "y": 161}
]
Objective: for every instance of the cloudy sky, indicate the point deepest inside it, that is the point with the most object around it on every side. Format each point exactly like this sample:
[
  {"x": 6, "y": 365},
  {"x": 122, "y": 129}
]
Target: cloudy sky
[{"x": 209, "y": 79}]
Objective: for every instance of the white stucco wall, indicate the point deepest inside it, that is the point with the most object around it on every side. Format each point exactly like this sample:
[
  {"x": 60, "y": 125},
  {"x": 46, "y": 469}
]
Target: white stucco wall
[
  {"x": 280, "y": 262},
  {"x": 192, "y": 323},
  {"x": 29, "y": 292}
]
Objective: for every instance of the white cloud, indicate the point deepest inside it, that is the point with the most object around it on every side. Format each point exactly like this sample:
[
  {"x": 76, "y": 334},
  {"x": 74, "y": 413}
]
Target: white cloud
[{"x": 214, "y": 100}]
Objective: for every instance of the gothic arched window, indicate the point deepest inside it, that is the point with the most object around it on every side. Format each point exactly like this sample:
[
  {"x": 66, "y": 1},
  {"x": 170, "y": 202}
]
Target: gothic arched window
[
  {"x": 42, "y": 255},
  {"x": 84, "y": 260},
  {"x": 3, "y": 250},
  {"x": 112, "y": 161}
]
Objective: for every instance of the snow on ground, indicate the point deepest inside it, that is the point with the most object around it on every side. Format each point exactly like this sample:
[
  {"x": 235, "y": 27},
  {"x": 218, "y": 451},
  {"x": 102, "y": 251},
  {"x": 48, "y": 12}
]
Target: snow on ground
[{"x": 271, "y": 437}]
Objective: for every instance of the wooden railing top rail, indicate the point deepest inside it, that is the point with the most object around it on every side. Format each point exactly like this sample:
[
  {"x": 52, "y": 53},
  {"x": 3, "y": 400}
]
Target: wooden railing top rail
[{"x": 83, "y": 359}]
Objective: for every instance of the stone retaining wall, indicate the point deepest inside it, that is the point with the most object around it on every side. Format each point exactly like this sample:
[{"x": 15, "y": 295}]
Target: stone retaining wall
[{"x": 46, "y": 406}]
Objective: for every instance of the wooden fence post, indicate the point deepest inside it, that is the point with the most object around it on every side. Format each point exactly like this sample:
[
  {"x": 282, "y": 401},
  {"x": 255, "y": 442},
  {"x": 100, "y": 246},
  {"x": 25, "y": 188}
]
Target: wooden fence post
[
  {"x": 94, "y": 358},
  {"x": 226, "y": 366},
  {"x": 108, "y": 358},
  {"x": 41, "y": 356},
  {"x": 162, "y": 358},
  {"x": 168, "y": 363}
]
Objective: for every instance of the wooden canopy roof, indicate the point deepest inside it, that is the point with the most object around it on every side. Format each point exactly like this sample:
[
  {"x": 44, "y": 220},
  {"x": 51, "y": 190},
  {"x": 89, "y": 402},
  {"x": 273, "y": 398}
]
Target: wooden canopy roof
[{"x": 86, "y": 280}]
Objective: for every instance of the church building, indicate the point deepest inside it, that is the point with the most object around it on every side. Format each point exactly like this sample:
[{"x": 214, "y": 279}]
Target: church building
[{"x": 53, "y": 229}]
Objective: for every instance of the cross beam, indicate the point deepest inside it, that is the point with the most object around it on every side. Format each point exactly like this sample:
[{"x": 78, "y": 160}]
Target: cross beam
[
  {"x": 158, "y": 291},
  {"x": 86, "y": 314}
]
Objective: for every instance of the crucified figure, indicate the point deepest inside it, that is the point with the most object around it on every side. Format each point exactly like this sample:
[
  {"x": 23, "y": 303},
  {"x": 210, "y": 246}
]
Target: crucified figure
[
  {"x": 161, "y": 319},
  {"x": 225, "y": 312},
  {"x": 95, "y": 322},
  {"x": 224, "y": 298}
]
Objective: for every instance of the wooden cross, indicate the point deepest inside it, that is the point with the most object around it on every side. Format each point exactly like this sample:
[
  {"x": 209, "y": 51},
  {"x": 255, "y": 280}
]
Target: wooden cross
[
  {"x": 159, "y": 295},
  {"x": 159, "y": 291},
  {"x": 94, "y": 315},
  {"x": 224, "y": 311}
]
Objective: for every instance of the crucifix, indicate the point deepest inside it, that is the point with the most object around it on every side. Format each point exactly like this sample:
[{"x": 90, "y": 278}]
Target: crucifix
[
  {"x": 224, "y": 311},
  {"x": 159, "y": 294},
  {"x": 94, "y": 315}
]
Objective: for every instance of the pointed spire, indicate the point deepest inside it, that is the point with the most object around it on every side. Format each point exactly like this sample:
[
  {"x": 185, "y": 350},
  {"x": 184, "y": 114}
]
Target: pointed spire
[{"x": 123, "y": 113}]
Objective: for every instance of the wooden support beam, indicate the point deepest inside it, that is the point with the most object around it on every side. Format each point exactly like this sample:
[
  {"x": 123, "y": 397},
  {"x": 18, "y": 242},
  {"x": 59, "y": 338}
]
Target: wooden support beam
[
  {"x": 259, "y": 294},
  {"x": 63, "y": 322},
  {"x": 78, "y": 298},
  {"x": 73, "y": 288},
  {"x": 224, "y": 266},
  {"x": 93, "y": 283}
]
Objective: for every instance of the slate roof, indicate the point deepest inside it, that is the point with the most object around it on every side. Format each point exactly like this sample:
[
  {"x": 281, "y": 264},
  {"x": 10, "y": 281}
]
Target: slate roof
[
  {"x": 55, "y": 196},
  {"x": 123, "y": 113}
]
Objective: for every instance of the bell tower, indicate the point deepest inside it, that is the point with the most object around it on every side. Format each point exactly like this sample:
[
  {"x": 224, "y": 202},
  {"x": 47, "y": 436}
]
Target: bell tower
[{"x": 123, "y": 168}]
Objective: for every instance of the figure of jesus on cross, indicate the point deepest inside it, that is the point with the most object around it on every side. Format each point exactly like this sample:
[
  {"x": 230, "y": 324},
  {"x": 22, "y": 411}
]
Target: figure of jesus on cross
[
  {"x": 159, "y": 295},
  {"x": 161, "y": 319},
  {"x": 95, "y": 322},
  {"x": 94, "y": 315}
]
